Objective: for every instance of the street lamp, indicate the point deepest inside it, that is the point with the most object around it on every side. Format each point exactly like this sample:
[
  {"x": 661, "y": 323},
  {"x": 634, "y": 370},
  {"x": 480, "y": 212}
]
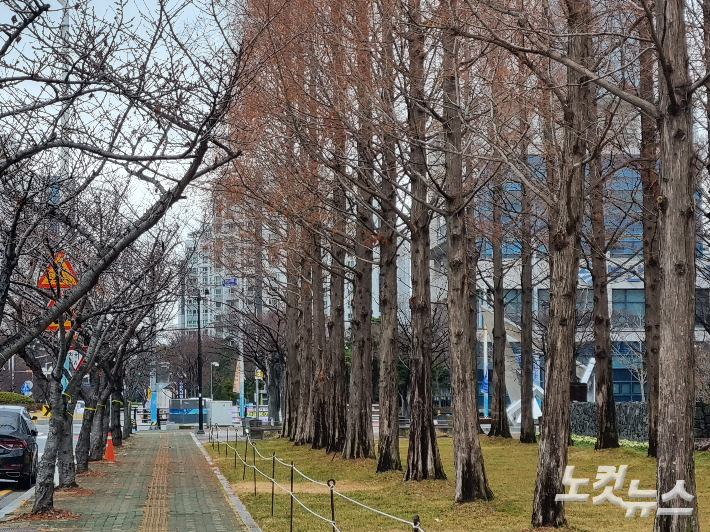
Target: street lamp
[
  {"x": 216, "y": 365},
  {"x": 200, "y": 415}
]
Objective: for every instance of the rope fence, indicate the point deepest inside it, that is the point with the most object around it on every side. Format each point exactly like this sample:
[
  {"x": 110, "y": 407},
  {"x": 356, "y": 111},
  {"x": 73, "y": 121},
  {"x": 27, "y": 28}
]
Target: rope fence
[{"x": 214, "y": 438}]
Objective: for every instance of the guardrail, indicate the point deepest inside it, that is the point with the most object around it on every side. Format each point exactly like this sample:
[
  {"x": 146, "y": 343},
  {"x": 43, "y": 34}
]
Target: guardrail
[{"x": 214, "y": 438}]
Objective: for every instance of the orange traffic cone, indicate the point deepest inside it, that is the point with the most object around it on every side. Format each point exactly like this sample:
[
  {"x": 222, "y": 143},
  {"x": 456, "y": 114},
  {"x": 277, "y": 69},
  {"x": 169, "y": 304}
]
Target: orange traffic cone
[{"x": 108, "y": 455}]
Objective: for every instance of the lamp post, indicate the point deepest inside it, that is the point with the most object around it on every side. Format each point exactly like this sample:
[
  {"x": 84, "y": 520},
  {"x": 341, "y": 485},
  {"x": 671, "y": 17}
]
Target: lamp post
[
  {"x": 215, "y": 365},
  {"x": 200, "y": 417}
]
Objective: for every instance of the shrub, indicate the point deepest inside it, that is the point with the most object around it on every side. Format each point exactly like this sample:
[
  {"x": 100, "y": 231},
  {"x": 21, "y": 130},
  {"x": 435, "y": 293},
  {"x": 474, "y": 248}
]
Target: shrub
[{"x": 14, "y": 398}]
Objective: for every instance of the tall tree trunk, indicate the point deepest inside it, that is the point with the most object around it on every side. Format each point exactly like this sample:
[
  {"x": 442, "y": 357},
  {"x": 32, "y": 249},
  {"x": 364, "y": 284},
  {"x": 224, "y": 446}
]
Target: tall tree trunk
[
  {"x": 651, "y": 258},
  {"x": 292, "y": 379},
  {"x": 83, "y": 443},
  {"x": 320, "y": 403},
  {"x": 423, "y": 460},
  {"x": 44, "y": 489},
  {"x": 676, "y": 225},
  {"x": 472, "y": 262},
  {"x": 336, "y": 329},
  {"x": 527, "y": 423},
  {"x": 499, "y": 415},
  {"x": 116, "y": 407},
  {"x": 359, "y": 438},
  {"x": 305, "y": 412},
  {"x": 100, "y": 425},
  {"x": 607, "y": 435},
  {"x": 565, "y": 242},
  {"x": 469, "y": 470},
  {"x": 388, "y": 452},
  {"x": 274, "y": 386},
  {"x": 65, "y": 455}
]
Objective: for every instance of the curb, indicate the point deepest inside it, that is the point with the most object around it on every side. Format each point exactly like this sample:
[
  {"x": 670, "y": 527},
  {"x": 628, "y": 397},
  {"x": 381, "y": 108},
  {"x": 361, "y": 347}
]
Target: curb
[
  {"x": 16, "y": 503},
  {"x": 241, "y": 510}
]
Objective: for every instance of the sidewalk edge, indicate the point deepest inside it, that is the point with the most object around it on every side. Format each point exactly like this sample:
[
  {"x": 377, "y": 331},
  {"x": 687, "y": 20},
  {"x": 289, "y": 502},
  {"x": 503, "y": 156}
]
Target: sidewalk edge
[
  {"x": 16, "y": 503},
  {"x": 237, "y": 504}
]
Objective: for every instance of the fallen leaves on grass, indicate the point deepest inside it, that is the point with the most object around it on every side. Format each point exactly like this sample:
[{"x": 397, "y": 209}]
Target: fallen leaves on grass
[{"x": 45, "y": 516}]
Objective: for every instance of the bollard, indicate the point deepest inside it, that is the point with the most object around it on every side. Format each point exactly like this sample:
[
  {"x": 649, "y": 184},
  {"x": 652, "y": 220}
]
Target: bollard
[
  {"x": 226, "y": 446},
  {"x": 273, "y": 479},
  {"x": 235, "y": 455},
  {"x": 415, "y": 524},
  {"x": 331, "y": 485},
  {"x": 246, "y": 457},
  {"x": 253, "y": 448},
  {"x": 291, "y": 526}
]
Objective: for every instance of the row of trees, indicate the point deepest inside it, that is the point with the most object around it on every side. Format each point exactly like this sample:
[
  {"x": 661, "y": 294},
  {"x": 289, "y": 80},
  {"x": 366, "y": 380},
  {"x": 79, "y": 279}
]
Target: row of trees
[
  {"x": 106, "y": 122},
  {"x": 376, "y": 117}
]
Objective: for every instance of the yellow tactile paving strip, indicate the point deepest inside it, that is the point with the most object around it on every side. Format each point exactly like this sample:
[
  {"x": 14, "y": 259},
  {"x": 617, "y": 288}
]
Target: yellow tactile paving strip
[{"x": 155, "y": 514}]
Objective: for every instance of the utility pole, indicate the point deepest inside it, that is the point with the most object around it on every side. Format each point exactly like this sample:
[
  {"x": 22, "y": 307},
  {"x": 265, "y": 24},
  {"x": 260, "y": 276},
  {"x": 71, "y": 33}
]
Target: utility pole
[{"x": 200, "y": 428}]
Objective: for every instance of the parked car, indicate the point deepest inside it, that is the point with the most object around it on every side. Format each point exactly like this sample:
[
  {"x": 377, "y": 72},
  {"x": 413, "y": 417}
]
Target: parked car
[{"x": 18, "y": 445}]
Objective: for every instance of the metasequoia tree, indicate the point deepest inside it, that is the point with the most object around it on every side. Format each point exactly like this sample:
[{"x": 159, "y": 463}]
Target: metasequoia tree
[
  {"x": 676, "y": 240},
  {"x": 471, "y": 482}
]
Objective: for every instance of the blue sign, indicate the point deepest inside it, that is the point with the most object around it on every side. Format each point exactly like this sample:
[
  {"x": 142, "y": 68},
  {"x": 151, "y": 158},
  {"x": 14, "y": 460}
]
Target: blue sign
[
  {"x": 181, "y": 390},
  {"x": 229, "y": 282},
  {"x": 484, "y": 386},
  {"x": 25, "y": 388}
]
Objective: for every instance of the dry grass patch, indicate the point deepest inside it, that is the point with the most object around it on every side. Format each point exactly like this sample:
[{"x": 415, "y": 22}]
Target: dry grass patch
[{"x": 510, "y": 467}]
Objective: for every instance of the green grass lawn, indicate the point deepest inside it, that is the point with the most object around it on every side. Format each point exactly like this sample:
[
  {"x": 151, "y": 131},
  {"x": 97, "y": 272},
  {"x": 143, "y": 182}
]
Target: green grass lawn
[{"x": 510, "y": 467}]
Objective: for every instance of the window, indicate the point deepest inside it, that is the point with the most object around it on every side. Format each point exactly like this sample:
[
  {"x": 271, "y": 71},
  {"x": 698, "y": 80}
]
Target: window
[
  {"x": 627, "y": 247},
  {"x": 627, "y": 307},
  {"x": 513, "y": 301},
  {"x": 702, "y": 307}
]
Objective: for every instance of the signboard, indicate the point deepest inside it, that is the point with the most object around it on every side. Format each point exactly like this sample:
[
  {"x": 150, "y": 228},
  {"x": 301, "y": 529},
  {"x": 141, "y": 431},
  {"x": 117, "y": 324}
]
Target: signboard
[
  {"x": 234, "y": 413},
  {"x": 64, "y": 278},
  {"x": 26, "y": 388},
  {"x": 181, "y": 390},
  {"x": 258, "y": 374},
  {"x": 484, "y": 385},
  {"x": 75, "y": 359},
  {"x": 54, "y": 325},
  {"x": 229, "y": 282}
]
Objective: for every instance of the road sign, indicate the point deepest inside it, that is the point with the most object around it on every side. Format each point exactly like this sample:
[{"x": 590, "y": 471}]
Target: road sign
[
  {"x": 229, "y": 282},
  {"x": 484, "y": 386},
  {"x": 67, "y": 276},
  {"x": 259, "y": 374},
  {"x": 54, "y": 325},
  {"x": 46, "y": 409},
  {"x": 26, "y": 388},
  {"x": 74, "y": 358}
]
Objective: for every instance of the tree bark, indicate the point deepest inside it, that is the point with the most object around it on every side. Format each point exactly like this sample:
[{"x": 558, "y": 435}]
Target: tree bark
[
  {"x": 388, "y": 451},
  {"x": 44, "y": 489},
  {"x": 676, "y": 225},
  {"x": 499, "y": 416},
  {"x": 469, "y": 470},
  {"x": 359, "y": 438},
  {"x": 423, "y": 460},
  {"x": 292, "y": 379},
  {"x": 651, "y": 259},
  {"x": 83, "y": 443},
  {"x": 607, "y": 435},
  {"x": 116, "y": 407},
  {"x": 65, "y": 455},
  {"x": 336, "y": 328},
  {"x": 564, "y": 244},
  {"x": 305, "y": 355},
  {"x": 527, "y": 423},
  {"x": 320, "y": 404}
]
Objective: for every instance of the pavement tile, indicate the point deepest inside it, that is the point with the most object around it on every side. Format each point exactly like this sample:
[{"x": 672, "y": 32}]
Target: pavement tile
[{"x": 161, "y": 482}]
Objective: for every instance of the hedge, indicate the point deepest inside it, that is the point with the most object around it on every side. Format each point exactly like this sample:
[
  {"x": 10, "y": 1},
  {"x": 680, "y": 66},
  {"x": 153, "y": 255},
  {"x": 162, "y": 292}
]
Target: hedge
[{"x": 15, "y": 398}]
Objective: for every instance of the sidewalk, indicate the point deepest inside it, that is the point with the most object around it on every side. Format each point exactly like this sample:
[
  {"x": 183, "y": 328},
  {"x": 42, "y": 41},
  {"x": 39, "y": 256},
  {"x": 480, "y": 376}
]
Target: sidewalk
[{"x": 161, "y": 482}]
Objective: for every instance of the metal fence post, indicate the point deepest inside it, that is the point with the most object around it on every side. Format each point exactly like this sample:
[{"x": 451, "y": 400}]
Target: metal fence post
[
  {"x": 253, "y": 448},
  {"x": 273, "y": 479},
  {"x": 331, "y": 485},
  {"x": 246, "y": 454},
  {"x": 291, "y": 526},
  {"x": 415, "y": 524}
]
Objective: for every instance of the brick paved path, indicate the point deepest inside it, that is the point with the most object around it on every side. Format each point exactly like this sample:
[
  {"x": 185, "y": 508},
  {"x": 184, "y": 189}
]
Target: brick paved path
[{"x": 161, "y": 483}]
